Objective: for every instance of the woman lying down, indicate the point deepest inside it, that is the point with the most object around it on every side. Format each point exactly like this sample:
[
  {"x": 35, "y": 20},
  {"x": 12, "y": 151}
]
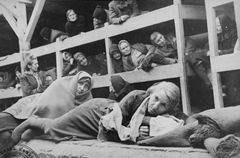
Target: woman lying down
[{"x": 135, "y": 117}]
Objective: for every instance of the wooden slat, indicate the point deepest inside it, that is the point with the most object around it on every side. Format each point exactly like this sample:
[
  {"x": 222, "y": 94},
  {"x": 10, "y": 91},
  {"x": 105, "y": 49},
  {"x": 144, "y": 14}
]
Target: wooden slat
[
  {"x": 237, "y": 16},
  {"x": 10, "y": 19},
  {"x": 10, "y": 93},
  {"x": 34, "y": 19},
  {"x": 213, "y": 48},
  {"x": 10, "y": 59},
  {"x": 193, "y": 12},
  {"x": 226, "y": 63},
  {"x": 181, "y": 59},
  {"x": 215, "y": 3}
]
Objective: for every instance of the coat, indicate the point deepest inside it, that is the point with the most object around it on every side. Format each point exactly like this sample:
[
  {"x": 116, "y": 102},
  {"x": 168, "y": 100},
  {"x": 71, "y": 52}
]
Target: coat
[{"x": 29, "y": 84}]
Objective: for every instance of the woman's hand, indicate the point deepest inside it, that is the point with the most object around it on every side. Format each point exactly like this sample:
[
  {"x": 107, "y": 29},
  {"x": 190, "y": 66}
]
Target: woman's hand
[{"x": 144, "y": 131}]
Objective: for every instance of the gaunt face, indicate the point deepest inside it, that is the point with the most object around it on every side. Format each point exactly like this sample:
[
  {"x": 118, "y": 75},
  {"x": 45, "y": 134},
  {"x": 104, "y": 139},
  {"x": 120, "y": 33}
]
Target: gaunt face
[
  {"x": 83, "y": 85},
  {"x": 125, "y": 48},
  {"x": 116, "y": 55},
  {"x": 218, "y": 26},
  {"x": 82, "y": 60},
  {"x": 72, "y": 16},
  {"x": 34, "y": 66},
  {"x": 18, "y": 74},
  {"x": 159, "y": 40},
  {"x": 157, "y": 105}
]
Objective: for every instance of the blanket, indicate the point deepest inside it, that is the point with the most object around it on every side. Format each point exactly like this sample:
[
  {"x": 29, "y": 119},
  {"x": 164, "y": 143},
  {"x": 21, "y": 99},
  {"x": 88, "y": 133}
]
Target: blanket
[{"x": 59, "y": 98}]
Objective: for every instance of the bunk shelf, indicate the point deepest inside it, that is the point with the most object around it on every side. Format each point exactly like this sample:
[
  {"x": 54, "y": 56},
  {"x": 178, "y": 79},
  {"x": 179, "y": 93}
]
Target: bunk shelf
[
  {"x": 10, "y": 93},
  {"x": 10, "y": 59},
  {"x": 212, "y": 3},
  {"x": 113, "y": 30},
  {"x": 231, "y": 62}
]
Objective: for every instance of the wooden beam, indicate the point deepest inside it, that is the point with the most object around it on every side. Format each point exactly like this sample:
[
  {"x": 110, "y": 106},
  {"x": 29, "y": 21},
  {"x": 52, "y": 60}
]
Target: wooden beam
[
  {"x": 34, "y": 19},
  {"x": 213, "y": 48},
  {"x": 232, "y": 61},
  {"x": 10, "y": 19},
  {"x": 178, "y": 21},
  {"x": 193, "y": 12}
]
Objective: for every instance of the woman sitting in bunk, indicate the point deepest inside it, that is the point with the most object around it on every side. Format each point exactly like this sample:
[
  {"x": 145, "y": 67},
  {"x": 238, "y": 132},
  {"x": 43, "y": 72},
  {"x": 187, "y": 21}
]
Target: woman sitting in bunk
[
  {"x": 100, "y": 17},
  {"x": 159, "y": 105},
  {"x": 68, "y": 63},
  {"x": 116, "y": 57},
  {"x": 90, "y": 64},
  {"x": 60, "y": 97},
  {"x": 75, "y": 24},
  {"x": 32, "y": 80},
  {"x": 121, "y": 10},
  {"x": 140, "y": 56}
]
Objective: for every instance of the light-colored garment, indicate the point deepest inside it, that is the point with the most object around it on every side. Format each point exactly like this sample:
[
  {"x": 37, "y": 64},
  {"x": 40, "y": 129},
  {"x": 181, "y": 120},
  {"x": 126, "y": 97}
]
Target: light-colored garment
[
  {"x": 57, "y": 99},
  {"x": 113, "y": 121},
  {"x": 161, "y": 125}
]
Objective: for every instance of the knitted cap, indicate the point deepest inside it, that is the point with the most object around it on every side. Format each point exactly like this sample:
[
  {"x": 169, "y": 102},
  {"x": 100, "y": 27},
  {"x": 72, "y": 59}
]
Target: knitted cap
[
  {"x": 76, "y": 55},
  {"x": 99, "y": 13},
  {"x": 118, "y": 83}
]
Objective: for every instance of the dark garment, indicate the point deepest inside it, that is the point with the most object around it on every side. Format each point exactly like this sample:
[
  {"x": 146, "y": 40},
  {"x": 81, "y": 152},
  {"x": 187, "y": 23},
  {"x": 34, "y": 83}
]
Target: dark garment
[
  {"x": 93, "y": 67},
  {"x": 67, "y": 67},
  {"x": 76, "y": 27},
  {"x": 30, "y": 85},
  {"x": 8, "y": 122},
  {"x": 121, "y": 88},
  {"x": 81, "y": 123},
  {"x": 117, "y": 65}
]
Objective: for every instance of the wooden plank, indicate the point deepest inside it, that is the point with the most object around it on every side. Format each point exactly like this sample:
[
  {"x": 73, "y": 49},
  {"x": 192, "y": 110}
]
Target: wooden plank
[
  {"x": 108, "y": 43},
  {"x": 59, "y": 60},
  {"x": 213, "y": 48},
  {"x": 10, "y": 59},
  {"x": 178, "y": 21},
  {"x": 10, "y": 19},
  {"x": 10, "y": 93},
  {"x": 44, "y": 50},
  {"x": 193, "y": 12},
  {"x": 237, "y": 17},
  {"x": 215, "y": 3},
  {"x": 231, "y": 63},
  {"x": 34, "y": 19}
]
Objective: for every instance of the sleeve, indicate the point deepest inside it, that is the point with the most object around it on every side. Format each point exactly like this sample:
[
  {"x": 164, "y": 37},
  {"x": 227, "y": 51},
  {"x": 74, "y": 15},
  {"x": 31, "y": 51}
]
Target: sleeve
[
  {"x": 66, "y": 69},
  {"x": 150, "y": 48},
  {"x": 114, "y": 18},
  {"x": 130, "y": 103},
  {"x": 135, "y": 10},
  {"x": 27, "y": 88}
]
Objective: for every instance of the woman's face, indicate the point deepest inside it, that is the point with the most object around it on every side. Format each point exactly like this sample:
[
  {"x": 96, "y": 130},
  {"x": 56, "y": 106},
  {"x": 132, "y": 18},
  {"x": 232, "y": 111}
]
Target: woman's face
[
  {"x": 159, "y": 40},
  {"x": 157, "y": 105},
  {"x": 82, "y": 60},
  {"x": 83, "y": 85},
  {"x": 116, "y": 55},
  {"x": 68, "y": 56},
  {"x": 218, "y": 26},
  {"x": 125, "y": 48},
  {"x": 34, "y": 66},
  {"x": 72, "y": 16}
]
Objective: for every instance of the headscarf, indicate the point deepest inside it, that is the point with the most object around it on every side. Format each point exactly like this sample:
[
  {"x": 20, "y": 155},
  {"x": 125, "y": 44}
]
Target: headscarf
[
  {"x": 113, "y": 48},
  {"x": 60, "y": 97},
  {"x": 100, "y": 13}
]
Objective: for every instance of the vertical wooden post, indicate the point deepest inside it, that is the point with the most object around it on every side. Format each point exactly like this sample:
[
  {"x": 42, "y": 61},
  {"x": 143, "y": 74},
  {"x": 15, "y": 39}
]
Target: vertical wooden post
[
  {"x": 59, "y": 59},
  {"x": 213, "y": 48},
  {"x": 237, "y": 17},
  {"x": 22, "y": 25},
  {"x": 178, "y": 21}
]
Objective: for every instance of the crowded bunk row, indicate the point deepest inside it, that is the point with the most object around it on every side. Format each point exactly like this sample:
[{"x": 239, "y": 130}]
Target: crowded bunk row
[{"x": 156, "y": 73}]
